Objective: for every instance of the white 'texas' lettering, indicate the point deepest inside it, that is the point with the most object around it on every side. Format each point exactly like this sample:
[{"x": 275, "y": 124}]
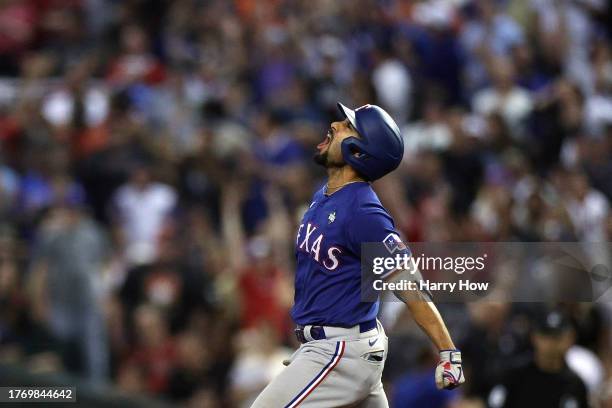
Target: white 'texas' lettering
[
  {"x": 331, "y": 257},
  {"x": 308, "y": 234},
  {"x": 316, "y": 247}
]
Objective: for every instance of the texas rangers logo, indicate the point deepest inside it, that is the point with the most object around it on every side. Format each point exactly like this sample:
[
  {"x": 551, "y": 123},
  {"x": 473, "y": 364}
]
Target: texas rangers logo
[{"x": 393, "y": 243}]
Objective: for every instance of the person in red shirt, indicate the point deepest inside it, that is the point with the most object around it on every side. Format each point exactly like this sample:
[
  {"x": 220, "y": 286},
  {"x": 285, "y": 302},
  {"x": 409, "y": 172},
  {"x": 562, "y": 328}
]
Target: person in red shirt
[
  {"x": 264, "y": 291},
  {"x": 152, "y": 360},
  {"x": 136, "y": 63}
]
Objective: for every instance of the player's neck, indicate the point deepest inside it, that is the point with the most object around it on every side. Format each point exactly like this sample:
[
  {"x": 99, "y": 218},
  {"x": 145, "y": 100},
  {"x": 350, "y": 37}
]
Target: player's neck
[{"x": 339, "y": 177}]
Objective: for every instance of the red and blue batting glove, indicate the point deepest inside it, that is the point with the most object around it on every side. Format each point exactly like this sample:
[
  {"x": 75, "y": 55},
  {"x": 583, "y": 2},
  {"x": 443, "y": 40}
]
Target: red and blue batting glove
[{"x": 449, "y": 372}]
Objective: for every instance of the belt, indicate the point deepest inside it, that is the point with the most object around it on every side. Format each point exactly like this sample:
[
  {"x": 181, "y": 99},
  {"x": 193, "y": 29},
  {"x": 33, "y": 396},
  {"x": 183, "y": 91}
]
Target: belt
[{"x": 308, "y": 333}]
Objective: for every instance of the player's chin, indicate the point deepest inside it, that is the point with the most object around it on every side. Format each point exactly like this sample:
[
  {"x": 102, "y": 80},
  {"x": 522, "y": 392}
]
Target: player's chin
[
  {"x": 326, "y": 160},
  {"x": 320, "y": 158}
]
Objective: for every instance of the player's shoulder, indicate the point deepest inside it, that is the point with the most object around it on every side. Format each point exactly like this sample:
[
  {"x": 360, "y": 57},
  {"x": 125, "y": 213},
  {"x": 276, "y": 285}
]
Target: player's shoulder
[{"x": 366, "y": 200}]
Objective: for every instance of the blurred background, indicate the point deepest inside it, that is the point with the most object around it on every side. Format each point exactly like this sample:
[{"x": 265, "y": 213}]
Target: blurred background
[{"x": 155, "y": 159}]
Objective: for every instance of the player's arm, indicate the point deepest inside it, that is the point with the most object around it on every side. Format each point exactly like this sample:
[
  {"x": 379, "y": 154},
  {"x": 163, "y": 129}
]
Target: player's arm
[
  {"x": 428, "y": 318},
  {"x": 449, "y": 372},
  {"x": 375, "y": 225}
]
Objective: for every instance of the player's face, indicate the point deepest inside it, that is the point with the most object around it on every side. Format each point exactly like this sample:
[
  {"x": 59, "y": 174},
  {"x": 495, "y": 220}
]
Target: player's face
[{"x": 329, "y": 151}]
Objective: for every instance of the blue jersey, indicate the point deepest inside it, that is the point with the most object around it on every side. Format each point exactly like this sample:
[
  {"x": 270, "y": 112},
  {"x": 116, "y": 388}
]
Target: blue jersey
[{"x": 328, "y": 252}]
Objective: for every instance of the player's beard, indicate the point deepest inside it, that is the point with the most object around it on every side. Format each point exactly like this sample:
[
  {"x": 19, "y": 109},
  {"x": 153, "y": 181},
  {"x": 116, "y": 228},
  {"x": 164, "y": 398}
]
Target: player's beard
[
  {"x": 320, "y": 158},
  {"x": 324, "y": 160}
]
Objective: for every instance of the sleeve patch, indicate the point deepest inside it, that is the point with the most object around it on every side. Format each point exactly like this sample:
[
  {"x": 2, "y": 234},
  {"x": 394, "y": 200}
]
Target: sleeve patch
[{"x": 393, "y": 243}]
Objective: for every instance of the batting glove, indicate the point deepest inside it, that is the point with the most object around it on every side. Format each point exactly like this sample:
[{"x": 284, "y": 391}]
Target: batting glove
[{"x": 449, "y": 372}]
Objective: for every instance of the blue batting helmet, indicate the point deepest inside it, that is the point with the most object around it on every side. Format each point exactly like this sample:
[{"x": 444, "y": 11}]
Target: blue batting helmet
[{"x": 380, "y": 148}]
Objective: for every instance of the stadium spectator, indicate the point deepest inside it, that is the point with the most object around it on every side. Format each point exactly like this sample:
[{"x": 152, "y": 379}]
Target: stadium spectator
[
  {"x": 153, "y": 357},
  {"x": 143, "y": 208},
  {"x": 71, "y": 251}
]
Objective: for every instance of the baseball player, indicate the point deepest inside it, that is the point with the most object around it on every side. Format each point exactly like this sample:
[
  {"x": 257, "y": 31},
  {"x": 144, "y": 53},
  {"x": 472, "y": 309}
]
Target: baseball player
[{"x": 344, "y": 347}]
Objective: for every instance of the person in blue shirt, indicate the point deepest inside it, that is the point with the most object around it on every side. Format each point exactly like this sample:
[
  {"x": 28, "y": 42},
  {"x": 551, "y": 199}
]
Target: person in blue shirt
[
  {"x": 417, "y": 388},
  {"x": 344, "y": 347}
]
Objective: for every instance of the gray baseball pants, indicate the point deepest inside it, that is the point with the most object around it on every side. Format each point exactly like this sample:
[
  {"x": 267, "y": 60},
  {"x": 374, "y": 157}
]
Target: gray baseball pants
[{"x": 343, "y": 370}]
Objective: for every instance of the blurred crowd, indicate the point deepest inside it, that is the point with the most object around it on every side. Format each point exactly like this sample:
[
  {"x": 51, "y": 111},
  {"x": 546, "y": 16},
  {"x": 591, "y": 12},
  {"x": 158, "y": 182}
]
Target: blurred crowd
[{"x": 155, "y": 158}]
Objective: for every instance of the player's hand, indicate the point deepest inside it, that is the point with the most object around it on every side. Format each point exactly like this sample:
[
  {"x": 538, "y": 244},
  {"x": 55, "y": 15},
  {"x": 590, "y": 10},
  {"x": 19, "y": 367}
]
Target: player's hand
[{"x": 449, "y": 372}]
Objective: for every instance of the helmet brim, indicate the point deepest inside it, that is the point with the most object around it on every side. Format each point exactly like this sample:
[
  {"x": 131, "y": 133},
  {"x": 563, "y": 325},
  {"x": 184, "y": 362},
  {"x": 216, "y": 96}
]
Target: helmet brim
[{"x": 348, "y": 114}]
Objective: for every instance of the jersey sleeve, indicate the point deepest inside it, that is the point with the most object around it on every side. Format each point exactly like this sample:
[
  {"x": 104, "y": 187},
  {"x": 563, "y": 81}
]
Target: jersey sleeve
[{"x": 372, "y": 224}]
